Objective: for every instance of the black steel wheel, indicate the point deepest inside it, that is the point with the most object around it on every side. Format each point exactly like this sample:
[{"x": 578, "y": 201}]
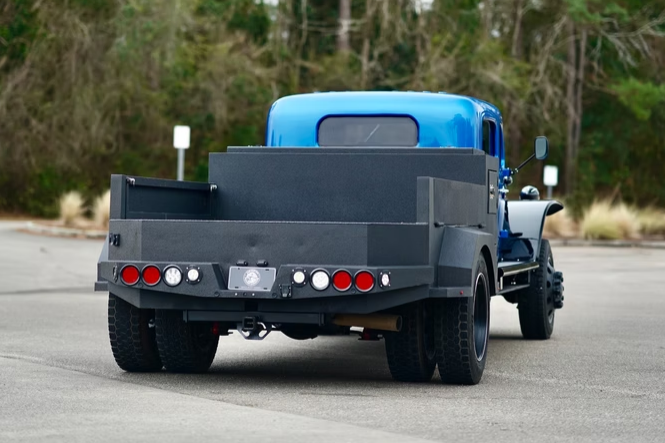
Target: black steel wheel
[
  {"x": 184, "y": 346},
  {"x": 461, "y": 328},
  {"x": 132, "y": 336},
  {"x": 411, "y": 352},
  {"x": 536, "y": 304}
]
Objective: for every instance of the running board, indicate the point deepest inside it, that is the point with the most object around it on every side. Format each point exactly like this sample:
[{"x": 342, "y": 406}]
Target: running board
[
  {"x": 508, "y": 268},
  {"x": 514, "y": 275}
]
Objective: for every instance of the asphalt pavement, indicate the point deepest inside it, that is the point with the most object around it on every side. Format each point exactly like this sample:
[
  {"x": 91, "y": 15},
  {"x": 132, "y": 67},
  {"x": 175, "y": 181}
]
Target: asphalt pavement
[{"x": 600, "y": 378}]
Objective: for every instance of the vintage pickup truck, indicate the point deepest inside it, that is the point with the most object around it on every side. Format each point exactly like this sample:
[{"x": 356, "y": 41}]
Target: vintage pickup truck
[{"x": 378, "y": 213}]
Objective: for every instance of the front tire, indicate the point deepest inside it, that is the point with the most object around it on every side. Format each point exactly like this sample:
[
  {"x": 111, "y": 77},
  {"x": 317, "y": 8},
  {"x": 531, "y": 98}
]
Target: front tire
[
  {"x": 461, "y": 331},
  {"x": 536, "y": 303},
  {"x": 411, "y": 353},
  {"x": 132, "y": 336},
  {"x": 188, "y": 347}
]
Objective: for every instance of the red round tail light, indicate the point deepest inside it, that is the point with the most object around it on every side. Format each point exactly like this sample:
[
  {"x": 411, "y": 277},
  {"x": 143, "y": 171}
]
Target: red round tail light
[
  {"x": 364, "y": 281},
  {"x": 151, "y": 275},
  {"x": 342, "y": 281},
  {"x": 130, "y": 275}
]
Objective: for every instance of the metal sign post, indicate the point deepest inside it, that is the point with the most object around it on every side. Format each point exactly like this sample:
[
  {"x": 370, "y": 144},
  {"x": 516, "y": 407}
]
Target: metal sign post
[
  {"x": 181, "y": 136},
  {"x": 550, "y": 179}
]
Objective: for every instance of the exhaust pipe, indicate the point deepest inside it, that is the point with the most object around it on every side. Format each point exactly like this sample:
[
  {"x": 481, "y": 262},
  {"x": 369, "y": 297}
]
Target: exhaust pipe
[{"x": 380, "y": 322}]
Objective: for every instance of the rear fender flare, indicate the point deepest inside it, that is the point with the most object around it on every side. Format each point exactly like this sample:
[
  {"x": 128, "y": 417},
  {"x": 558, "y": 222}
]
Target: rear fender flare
[{"x": 461, "y": 247}]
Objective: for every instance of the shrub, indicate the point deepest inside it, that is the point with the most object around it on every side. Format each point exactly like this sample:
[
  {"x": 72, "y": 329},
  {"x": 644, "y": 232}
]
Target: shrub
[
  {"x": 102, "y": 210},
  {"x": 71, "y": 208},
  {"x": 559, "y": 225},
  {"x": 607, "y": 222},
  {"x": 652, "y": 221},
  {"x": 627, "y": 220}
]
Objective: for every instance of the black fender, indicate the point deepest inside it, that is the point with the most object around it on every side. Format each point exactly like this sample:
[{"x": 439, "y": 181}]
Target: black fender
[
  {"x": 527, "y": 217},
  {"x": 460, "y": 249}
]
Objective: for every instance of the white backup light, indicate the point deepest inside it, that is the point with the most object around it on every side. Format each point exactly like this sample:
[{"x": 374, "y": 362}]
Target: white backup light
[
  {"x": 193, "y": 275},
  {"x": 320, "y": 280},
  {"x": 299, "y": 277},
  {"x": 385, "y": 280},
  {"x": 172, "y": 276}
]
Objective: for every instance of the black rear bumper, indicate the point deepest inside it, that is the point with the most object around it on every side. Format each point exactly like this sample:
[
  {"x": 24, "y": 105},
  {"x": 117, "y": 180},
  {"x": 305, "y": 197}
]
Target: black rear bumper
[
  {"x": 306, "y": 310},
  {"x": 214, "y": 282}
]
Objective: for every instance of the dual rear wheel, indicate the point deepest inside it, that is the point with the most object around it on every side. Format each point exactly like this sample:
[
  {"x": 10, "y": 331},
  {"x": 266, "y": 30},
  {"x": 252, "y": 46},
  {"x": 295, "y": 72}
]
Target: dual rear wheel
[
  {"x": 145, "y": 340},
  {"x": 453, "y": 333},
  {"x": 449, "y": 333}
]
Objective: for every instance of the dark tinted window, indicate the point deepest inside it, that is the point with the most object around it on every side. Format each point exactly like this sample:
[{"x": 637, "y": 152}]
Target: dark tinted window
[
  {"x": 368, "y": 131},
  {"x": 489, "y": 134}
]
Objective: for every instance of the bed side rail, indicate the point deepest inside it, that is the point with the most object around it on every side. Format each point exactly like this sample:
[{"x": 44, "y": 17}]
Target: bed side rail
[{"x": 151, "y": 198}]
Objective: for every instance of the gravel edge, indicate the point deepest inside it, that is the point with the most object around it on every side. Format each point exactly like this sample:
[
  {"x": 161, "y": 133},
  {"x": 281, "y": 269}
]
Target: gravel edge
[
  {"x": 649, "y": 244},
  {"x": 37, "y": 228}
]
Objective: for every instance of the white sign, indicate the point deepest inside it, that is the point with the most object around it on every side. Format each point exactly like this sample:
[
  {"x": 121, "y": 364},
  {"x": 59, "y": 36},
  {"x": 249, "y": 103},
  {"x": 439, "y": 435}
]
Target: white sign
[
  {"x": 181, "y": 137},
  {"x": 551, "y": 176}
]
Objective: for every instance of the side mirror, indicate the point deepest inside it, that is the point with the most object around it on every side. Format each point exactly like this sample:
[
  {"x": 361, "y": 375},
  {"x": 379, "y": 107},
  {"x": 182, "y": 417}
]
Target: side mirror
[{"x": 541, "y": 147}]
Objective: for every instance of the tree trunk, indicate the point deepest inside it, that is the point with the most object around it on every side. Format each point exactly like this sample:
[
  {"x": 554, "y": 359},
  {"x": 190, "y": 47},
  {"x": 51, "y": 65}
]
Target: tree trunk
[
  {"x": 364, "y": 56},
  {"x": 343, "y": 44},
  {"x": 514, "y": 128},
  {"x": 301, "y": 45},
  {"x": 571, "y": 74},
  {"x": 420, "y": 36},
  {"x": 516, "y": 50},
  {"x": 486, "y": 17},
  {"x": 574, "y": 92},
  {"x": 578, "y": 94}
]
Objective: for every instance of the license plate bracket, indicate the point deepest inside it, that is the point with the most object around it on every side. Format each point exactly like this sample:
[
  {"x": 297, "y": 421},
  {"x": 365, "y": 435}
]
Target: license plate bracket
[{"x": 242, "y": 278}]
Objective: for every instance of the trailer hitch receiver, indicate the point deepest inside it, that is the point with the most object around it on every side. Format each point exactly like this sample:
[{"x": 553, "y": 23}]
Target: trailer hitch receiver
[{"x": 251, "y": 328}]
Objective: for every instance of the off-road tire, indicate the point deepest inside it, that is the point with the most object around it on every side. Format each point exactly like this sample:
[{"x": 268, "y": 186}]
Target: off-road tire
[
  {"x": 132, "y": 336},
  {"x": 457, "y": 328},
  {"x": 536, "y": 303},
  {"x": 411, "y": 353},
  {"x": 188, "y": 347}
]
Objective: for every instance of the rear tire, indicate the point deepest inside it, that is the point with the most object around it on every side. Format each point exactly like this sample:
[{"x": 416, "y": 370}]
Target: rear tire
[
  {"x": 188, "y": 347},
  {"x": 461, "y": 331},
  {"x": 536, "y": 303},
  {"x": 411, "y": 353},
  {"x": 132, "y": 336}
]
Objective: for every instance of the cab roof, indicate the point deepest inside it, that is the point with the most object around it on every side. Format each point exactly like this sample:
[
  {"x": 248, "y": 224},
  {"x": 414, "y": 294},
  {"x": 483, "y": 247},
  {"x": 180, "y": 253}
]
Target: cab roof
[{"x": 444, "y": 120}]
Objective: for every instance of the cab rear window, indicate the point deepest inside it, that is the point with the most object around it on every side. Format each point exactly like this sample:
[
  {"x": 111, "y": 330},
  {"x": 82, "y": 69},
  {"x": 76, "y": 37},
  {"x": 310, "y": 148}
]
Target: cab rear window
[{"x": 368, "y": 131}]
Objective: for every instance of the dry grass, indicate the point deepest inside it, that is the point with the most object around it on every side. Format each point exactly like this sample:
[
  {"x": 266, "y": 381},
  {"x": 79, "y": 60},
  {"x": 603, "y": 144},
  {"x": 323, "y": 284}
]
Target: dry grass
[
  {"x": 559, "y": 225},
  {"x": 71, "y": 208},
  {"x": 101, "y": 211},
  {"x": 604, "y": 221},
  {"x": 628, "y": 221},
  {"x": 652, "y": 221}
]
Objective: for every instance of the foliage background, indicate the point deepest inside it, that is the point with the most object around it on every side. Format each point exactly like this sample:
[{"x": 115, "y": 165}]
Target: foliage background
[{"x": 94, "y": 87}]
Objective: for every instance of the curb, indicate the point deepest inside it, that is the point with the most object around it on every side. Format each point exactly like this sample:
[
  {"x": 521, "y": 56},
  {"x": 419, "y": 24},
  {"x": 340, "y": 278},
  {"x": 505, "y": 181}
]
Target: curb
[
  {"x": 36, "y": 228},
  {"x": 609, "y": 243}
]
